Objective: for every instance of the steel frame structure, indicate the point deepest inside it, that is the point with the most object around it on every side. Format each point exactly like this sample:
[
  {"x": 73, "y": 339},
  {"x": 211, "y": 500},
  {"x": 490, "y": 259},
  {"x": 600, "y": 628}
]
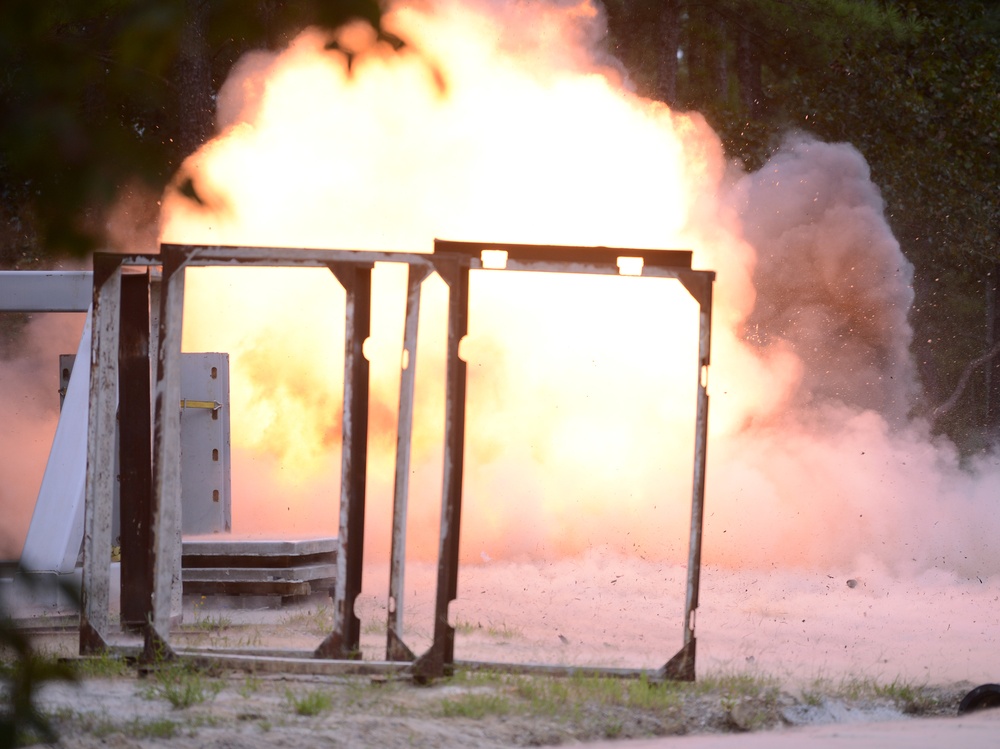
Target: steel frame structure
[{"x": 452, "y": 261}]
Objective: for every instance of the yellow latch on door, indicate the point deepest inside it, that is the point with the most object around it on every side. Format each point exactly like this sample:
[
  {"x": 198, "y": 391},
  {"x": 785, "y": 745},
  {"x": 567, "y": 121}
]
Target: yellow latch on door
[{"x": 213, "y": 405}]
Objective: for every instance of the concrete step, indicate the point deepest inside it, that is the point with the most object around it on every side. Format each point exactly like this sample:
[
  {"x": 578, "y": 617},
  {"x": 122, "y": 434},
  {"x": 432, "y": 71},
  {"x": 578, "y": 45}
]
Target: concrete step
[{"x": 287, "y": 570}]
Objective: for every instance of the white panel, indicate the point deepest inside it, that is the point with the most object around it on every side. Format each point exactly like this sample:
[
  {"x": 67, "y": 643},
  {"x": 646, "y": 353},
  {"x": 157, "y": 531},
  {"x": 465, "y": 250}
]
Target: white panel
[
  {"x": 56, "y": 531},
  {"x": 205, "y": 462},
  {"x": 45, "y": 291}
]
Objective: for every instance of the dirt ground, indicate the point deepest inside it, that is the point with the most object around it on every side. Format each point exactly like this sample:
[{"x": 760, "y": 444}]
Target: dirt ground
[
  {"x": 241, "y": 709},
  {"x": 185, "y": 705},
  {"x": 774, "y": 651}
]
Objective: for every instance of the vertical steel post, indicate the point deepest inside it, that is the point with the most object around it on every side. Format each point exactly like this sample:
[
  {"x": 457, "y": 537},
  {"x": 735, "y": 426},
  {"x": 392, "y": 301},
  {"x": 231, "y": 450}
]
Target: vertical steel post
[
  {"x": 682, "y": 666},
  {"x": 135, "y": 453},
  {"x": 441, "y": 654},
  {"x": 345, "y": 639},
  {"x": 165, "y": 549},
  {"x": 395, "y": 648},
  {"x": 101, "y": 430}
]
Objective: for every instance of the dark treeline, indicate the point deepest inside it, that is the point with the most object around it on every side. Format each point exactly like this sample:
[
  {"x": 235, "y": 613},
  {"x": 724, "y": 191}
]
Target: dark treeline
[
  {"x": 100, "y": 95},
  {"x": 915, "y": 86}
]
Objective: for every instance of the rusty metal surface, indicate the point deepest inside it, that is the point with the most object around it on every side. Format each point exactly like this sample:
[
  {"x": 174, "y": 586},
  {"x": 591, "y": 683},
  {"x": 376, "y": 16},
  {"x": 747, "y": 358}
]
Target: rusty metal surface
[
  {"x": 165, "y": 550},
  {"x": 438, "y": 658},
  {"x": 681, "y": 666},
  {"x": 395, "y": 648},
  {"x": 566, "y": 255},
  {"x": 453, "y": 262},
  {"x": 101, "y": 429},
  {"x": 136, "y": 478},
  {"x": 344, "y": 642}
]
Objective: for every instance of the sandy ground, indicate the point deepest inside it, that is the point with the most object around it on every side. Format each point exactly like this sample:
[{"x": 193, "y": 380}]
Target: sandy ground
[
  {"x": 777, "y": 651},
  {"x": 240, "y": 709},
  {"x": 978, "y": 731},
  {"x": 796, "y": 625}
]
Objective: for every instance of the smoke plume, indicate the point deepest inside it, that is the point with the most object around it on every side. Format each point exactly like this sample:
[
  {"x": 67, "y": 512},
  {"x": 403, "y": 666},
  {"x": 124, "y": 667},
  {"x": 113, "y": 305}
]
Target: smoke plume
[{"x": 511, "y": 123}]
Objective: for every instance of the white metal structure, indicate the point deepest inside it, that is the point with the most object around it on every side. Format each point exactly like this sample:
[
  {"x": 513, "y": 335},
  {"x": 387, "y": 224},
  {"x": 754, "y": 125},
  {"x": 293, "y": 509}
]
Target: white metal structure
[{"x": 56, "y": 531}]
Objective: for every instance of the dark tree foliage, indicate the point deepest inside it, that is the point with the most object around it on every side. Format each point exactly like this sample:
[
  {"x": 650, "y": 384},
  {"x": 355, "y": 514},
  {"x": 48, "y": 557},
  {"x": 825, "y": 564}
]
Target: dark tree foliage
[
  {"x": 97, "y": 94},
  {"x": 926, "y": 114},
  {"x": 730, "y": 59},
  {"x": 915, "y": 86}
]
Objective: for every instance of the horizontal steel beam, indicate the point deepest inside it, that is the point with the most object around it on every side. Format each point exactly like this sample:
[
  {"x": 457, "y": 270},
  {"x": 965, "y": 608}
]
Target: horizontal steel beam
[
  {"x": 567, "y": 254},
  {"x": 46, "y": 290}
]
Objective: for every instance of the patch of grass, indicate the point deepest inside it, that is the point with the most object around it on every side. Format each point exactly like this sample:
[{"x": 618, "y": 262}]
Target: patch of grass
[
  {"x": 739, "y": 684},
  {"x": 163, "y": 728},
  {"x": 364, "y": 693},
  {"x": 475, "y": 705},
  {"x": 465, "y": 627},
  {"x": 182, "y": 685},
  {"x": 503, "y": 631},
  {"x": 751, "y": 700},
  {"x": 900, "y": 692},
  {"x": 613, "y": 729},
  {"x": 103, "y": 666},
  {"x": 251, "y": 684},
  {"x": 318, "y": 621},
  {"x": 905, "y": 695},
  {"x": 584, "y": 691},
  {"x": 575, "y": 698},
  {"x": 208, "y": 624},
  {"x": 543, "y": 696},
  {"x": 313, "y": 702},
  {"x": 373, "y": 627},
  {"x": 101, "y": 726},
  {"x": 252, "y": 639},
  {"x": 653, "y": 697},
  {"x": 813, "y": 695}
]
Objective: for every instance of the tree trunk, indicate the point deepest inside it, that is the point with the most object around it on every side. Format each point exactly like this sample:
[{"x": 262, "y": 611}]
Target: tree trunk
[
  {"x": 748, "y": 72},
  {"x": 992, "y": 374},
  {"x": 669, "y": 33},
  {"x": 695, "y": 57},
  {"x": 720, "y": 59},
  {"x": 705, "y": 54},
  {"x": 192, "y": 75}
]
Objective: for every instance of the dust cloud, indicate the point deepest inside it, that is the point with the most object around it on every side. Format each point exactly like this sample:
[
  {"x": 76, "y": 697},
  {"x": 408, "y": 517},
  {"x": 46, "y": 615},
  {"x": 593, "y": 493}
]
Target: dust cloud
[
  {"x": 502, "y": 122},
  {"x": 512, "y": 123}
]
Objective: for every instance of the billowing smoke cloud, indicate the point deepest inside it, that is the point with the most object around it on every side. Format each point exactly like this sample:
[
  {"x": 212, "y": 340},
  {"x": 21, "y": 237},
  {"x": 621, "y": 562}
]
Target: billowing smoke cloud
[
  {"x": 840, "y": 477},
  {"x": 503, "y": 123},
  {"x": 509, "y": 122},
  {"x": 830, "y": 277}
]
